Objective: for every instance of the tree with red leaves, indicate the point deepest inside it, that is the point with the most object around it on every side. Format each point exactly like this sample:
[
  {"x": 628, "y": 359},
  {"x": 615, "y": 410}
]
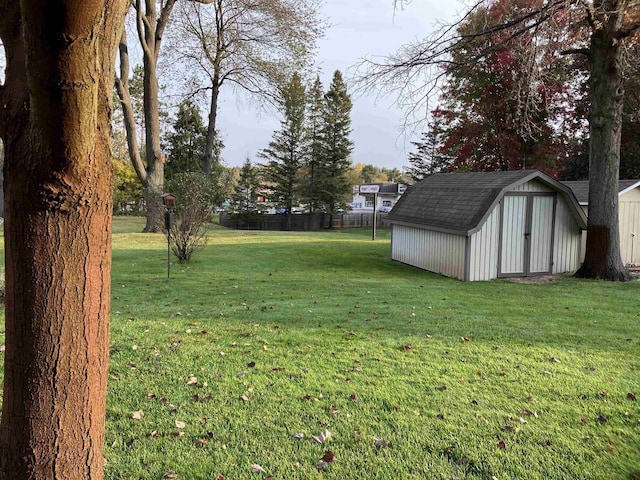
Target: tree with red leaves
[{"x": 595, "y": 31}]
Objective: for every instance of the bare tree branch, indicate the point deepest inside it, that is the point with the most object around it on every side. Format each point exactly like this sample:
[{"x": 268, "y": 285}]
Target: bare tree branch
[{"x": 122, "y": 88}]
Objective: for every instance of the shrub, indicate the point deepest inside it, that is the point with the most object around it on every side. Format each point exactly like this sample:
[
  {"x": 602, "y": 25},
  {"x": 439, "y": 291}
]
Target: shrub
[{"x": 196, "y": 197}]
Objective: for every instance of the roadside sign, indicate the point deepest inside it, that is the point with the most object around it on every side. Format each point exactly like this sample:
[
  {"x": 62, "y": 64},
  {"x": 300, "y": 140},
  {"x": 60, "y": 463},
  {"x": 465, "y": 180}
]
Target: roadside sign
[{"x": 369, "y": 188}]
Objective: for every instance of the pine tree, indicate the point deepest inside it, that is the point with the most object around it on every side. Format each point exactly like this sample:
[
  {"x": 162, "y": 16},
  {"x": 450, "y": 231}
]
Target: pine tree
[
  {"x": 246, "y": 192},
  {"x": 186, "y": 143},
  {"x": 429, "y": 157},
  {"x": 286, "y": 152},
  {"x": 314, "y": 127},
  {"x": 333, "y": 181}
]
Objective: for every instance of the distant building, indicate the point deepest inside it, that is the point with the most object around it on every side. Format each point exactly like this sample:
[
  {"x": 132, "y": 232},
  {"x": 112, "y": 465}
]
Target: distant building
[
  {"x": 628, "y": 216},
  {"x": 388, "y": 195}
]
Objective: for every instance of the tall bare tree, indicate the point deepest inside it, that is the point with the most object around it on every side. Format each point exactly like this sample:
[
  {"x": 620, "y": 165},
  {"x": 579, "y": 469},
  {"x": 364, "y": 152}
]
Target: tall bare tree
[
  {"x": 252, "y": 45},
  {"x": 151, "y": 19},
  {"x": 597, "y": 30},
  {"x": 55, "y": 125}
]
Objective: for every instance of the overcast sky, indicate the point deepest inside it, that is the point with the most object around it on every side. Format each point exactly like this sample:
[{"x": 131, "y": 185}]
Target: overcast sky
[{"x": 358, "y": 29}]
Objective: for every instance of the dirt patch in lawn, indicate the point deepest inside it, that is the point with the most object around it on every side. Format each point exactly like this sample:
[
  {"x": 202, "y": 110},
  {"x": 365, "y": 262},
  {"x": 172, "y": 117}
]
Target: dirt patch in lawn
[{"x": 536, "y": 279}]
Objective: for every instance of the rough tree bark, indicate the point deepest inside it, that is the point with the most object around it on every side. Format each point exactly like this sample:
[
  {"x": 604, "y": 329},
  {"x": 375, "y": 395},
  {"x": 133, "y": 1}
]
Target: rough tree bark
[
  {"x": 606, "y": 92},
  {"x": 56, "y": 128}
]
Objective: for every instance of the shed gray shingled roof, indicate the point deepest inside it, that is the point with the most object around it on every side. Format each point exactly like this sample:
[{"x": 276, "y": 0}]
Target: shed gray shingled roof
[
  {"x": 460, "y": 202},
  {"x": 581, "y": 188}
]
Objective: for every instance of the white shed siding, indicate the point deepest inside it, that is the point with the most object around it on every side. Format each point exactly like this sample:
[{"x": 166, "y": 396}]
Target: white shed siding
[
  {"x": 583, "y": 240},
  {"x": 533, "y": 186},
  {"x": 629, "y": 216},
  {"x": 567, "y": 240},
  {"x": 629, "y": 222},
  {"x": 430, "y": 250},
  {"x": 541, "y": 234},
  {"x": 483, "y": 252}
]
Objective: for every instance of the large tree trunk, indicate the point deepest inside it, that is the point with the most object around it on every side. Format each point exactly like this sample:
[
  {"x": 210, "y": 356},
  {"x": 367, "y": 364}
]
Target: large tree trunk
[
  {"x": 155, "y": 160},
  {"x": 212, "y": 137},
  {"x": 58, "y": 236},
  {"x": 602, "y": 256}
]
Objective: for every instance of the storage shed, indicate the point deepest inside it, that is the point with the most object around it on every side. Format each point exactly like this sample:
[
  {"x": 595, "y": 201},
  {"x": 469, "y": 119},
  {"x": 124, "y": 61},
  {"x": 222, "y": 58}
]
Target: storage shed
[
  {"x": 628, "y": 217},
  {"x": 481, "y": 226}
]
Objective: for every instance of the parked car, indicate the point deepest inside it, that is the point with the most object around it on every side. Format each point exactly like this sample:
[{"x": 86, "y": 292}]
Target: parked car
[{"x": 385, "y": 209}]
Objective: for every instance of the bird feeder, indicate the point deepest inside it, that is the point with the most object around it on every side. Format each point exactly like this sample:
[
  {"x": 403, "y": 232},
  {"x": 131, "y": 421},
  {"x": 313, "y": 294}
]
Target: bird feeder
[{"x": 168, "y": 200}]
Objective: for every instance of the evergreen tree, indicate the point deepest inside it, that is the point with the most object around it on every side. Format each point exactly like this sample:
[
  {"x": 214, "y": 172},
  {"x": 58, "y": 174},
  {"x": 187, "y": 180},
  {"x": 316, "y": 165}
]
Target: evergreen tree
[
  {"x": 186, "y": 143},
  {"x": 314, "y": 127},
  {"x": 333, "y": 180},
  {"x": 429, "y": 157},
  {"x": 285, "y": 153},
  {"x": 245, "y": 196}
]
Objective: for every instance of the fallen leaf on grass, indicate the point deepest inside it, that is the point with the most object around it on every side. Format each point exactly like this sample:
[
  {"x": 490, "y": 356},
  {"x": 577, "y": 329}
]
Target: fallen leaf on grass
[
  {"x": 554, "y": 360},
  {"x": 334, "y": 411},
  {"x": 180, "y": 424},
  {"x": 137, "y": 415},
  {"x": 255, "y": 468},
  {"x": 298, "y": 435},
  {"x": 201, "y": 442},
  {"x": 464, "y": 339},
  {"x": 380, "y": 442},
  {"x": 326, "y": 460},
  {"x": 603, "y": 393},
  {"x": 170, "y": 474},
  {"x": 244, "y": 398},
  {"x": 502, "y": 445},
  {"x": 631, "y": 396},
  {"x": 251, "y": 364},
  {"x": 510, "y": 429},
  {"x": 221, "y": 477},
  {"x": 328, "y": 456},
  {"x": 151, "y": 396},
  {"x": 323, "y": 436},
  {"x": 408, "y": 346},
  {"x": 192, "y": 380},
  {"x": 601, "y": 419}
]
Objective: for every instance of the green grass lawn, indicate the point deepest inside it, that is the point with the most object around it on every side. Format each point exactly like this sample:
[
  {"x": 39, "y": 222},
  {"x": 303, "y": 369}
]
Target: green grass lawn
[{"x": 267, "y": 339}]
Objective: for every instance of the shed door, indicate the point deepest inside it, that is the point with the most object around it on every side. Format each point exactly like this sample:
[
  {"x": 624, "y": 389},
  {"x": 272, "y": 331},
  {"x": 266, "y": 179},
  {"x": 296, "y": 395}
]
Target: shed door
[{"x": 526, "y": 237}]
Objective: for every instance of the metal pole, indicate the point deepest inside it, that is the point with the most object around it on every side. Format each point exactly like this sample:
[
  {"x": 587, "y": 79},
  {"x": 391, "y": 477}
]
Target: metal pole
[
  {"x": 167, "y": 225},
  {"x": 375, "y": 215}
]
